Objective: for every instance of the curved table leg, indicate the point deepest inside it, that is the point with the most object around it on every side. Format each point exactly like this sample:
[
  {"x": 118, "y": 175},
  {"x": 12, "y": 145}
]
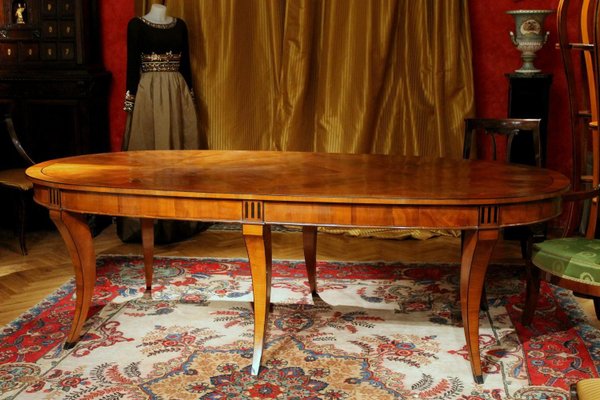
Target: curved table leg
[
  {"x": 258, "y": 245},
  {"x": 477, "y": 250},
  {"x": 77, "y": 236},
  {"x": 148, "y": 249},
  {"x": 309, "y": 237}
]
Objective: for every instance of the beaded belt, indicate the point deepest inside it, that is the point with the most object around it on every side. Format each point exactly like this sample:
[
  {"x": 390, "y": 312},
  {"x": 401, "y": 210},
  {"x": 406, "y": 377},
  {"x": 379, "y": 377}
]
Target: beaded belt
[{"x": 167, "y": 62}]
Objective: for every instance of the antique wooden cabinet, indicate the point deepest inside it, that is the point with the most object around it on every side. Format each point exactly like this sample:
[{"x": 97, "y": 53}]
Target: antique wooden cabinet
[
  {"x": 51, "y": 77},
  {"x": 53, "y": 84}
]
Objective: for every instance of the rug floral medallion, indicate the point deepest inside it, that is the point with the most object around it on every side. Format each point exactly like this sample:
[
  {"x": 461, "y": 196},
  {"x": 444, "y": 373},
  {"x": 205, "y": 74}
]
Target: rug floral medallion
[{"x": 375, "y": 331}]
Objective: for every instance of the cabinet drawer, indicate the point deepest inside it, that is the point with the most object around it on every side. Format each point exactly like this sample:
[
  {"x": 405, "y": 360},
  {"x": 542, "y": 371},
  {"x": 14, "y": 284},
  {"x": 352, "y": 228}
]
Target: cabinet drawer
[
  {"x": 8, "y": 53},
  {"x": 29, "y": 52},
  {"x": 48, "y": 51},
  {"x": 67, "y": 29},
  {"x": 66, "y": 8},
  {"x": 49, "y": 8},
  {"x": 49, "y": 29},
  {"x": 67, "y": 51}
]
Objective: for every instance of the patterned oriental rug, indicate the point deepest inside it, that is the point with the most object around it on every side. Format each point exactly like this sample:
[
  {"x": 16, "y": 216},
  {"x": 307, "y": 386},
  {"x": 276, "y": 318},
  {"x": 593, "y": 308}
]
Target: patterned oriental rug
[{"x": 377, "y": 331}]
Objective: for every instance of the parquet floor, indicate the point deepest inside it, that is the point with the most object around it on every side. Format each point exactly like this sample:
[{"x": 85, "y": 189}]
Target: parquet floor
[{"x": 26, "y": 280}]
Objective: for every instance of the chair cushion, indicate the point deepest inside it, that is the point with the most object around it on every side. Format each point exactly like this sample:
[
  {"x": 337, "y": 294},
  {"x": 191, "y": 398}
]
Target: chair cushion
[
  {"x": 577, "y": 259},
  {"x": 15, "y": 178},
  {"x": 588, "y": 389}
]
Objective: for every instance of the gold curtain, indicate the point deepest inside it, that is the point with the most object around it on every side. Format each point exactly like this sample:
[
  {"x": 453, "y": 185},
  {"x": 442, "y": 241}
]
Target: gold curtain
[{"x": 355, "y": 76}]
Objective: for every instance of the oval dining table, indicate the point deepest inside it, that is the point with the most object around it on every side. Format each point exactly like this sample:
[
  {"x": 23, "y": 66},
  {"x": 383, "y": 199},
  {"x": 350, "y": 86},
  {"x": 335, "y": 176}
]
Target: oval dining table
[{"x": 259, "y": 189}]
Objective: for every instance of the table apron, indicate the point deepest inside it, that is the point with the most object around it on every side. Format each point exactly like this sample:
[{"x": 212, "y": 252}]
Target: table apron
[
  {"x": 412, "y": 216},
  {"x": 470, "y": 216}
]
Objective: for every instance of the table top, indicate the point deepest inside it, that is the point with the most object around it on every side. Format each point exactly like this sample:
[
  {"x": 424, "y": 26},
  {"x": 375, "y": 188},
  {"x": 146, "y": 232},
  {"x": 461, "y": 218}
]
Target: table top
[{"x": 301, "y": 177}]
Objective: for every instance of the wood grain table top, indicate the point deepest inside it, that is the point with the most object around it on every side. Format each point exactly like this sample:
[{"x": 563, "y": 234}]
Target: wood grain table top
[{"x": 301, "y": 177}]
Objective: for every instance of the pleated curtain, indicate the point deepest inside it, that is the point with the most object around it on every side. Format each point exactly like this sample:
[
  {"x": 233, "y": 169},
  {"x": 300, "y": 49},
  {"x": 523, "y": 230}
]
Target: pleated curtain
[{"x": 351, "y": 76}]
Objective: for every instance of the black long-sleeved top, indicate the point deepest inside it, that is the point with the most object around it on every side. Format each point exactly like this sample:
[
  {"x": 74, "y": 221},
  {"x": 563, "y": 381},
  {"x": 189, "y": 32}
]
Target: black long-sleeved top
[{"x": 144, "y": 37}]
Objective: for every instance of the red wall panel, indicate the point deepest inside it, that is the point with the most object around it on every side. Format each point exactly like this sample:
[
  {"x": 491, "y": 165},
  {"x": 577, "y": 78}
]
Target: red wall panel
[{"x": 115, "y": 14}]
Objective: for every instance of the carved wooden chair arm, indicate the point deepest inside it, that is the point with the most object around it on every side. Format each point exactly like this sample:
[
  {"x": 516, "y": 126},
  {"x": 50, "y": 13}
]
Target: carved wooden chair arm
[{"x": 10, "y": 127}]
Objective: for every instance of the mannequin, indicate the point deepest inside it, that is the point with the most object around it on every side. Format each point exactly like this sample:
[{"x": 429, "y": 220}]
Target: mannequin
[
  {"x": 160, "y": 103},
  {"x": 158, "y": 57},
  {"x": 158, "y": 15}
]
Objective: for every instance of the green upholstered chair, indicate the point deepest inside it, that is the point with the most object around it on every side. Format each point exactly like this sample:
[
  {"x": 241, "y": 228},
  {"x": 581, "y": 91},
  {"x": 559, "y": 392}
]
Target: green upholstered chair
[
  {"x": 571, "y": 262},
  {"x": 15, "y": 181}
]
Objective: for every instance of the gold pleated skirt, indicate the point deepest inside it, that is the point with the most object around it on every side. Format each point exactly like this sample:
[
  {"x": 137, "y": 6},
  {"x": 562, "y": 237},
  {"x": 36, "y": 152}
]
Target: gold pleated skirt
[
  {"x": 163, "y": 118},
  {"x": 164, "y": 115}
]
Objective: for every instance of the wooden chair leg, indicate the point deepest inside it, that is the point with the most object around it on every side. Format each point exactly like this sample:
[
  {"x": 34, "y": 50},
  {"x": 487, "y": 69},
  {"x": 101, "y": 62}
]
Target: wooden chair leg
[
  {"x": 525, "y": 249},
  {"x": 532, "y": 293}
]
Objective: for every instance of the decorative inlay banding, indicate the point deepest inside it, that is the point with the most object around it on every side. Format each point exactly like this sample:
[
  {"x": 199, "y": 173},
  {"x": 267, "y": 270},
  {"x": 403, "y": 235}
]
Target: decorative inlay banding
[
  {"x": 55, "y": 197},
  {"x": 253, "y": 211},
  {"x": 488, "y": 215}
]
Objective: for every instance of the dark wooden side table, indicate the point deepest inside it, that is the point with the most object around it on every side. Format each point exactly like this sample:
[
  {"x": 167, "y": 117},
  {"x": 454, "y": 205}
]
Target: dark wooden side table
[
  {"x": 528, "y": 97},
  {"x": 52, "y": 81}
]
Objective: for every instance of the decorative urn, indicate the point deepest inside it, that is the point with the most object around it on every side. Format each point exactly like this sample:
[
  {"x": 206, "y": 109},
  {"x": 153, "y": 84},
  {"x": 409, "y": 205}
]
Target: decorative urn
[{"x": 529, "y": 37}]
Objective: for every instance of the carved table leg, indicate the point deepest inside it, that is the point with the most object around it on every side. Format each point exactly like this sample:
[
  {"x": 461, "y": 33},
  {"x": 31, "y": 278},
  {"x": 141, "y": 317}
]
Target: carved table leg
[
  {"x": 77, "y": 236},
  {"x": 309, "y": 236},
  {"x": 477, "y": 250},
  {"x": 258, "y": 245},
  {"x": 148, "y": 249}
]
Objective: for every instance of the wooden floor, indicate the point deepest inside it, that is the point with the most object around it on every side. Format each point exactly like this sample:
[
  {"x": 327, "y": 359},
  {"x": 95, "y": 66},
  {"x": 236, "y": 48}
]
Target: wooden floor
[{"x": 26, "y": 280}]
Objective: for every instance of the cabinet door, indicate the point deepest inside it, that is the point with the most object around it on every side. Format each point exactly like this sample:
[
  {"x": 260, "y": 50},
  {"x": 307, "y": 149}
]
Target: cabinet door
[
  {"x": 67, "y": 51},
  {"x": 66, "y": 8},
  {"x": 48, "y": 8},
  {"x": 29, "y": 52},
  {"x": 52, "y": 127},
  {"x": 8, "y": 53},
  {"x": 49, "y": 29},
  {"x": 48, "y": 51},
  {"x": 67, "y": 29}
]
